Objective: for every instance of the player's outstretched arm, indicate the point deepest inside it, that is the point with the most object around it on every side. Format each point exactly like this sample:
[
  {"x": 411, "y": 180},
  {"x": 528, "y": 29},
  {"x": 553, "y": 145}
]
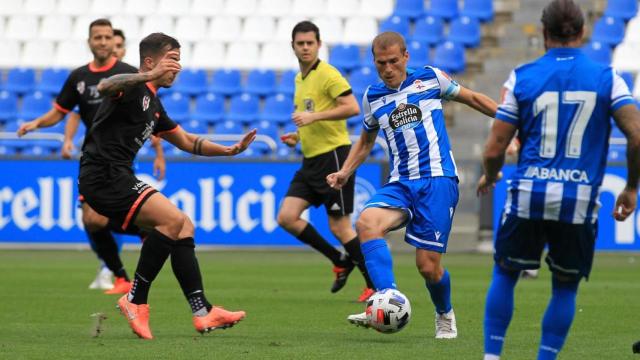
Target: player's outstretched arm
[
  {"x": 70, "y": 129},
  {"x": 116, "y": 84},
  {"x": 358, "y": 154},
  {"x": 50, "y": 118},
  {"x": 628, "y": 120},
  {"x": 198, "y": 145},
  {"x": 494, "y": 152},
  {"x": 477, "y": 101}
]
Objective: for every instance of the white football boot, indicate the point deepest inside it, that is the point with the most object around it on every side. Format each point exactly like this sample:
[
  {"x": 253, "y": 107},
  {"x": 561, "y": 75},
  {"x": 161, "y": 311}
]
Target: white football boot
[
  {"x": 359, "y": 319},
  {"x": 446, "y": 326},
  {"x": 103, "y": 280}
]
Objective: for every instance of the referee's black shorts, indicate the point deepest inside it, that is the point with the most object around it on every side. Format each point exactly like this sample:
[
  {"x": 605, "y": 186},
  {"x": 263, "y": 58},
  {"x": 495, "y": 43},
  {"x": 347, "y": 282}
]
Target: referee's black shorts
[
  {"x": 309, "y": 182},
  {"x": 114, "y": 192}
]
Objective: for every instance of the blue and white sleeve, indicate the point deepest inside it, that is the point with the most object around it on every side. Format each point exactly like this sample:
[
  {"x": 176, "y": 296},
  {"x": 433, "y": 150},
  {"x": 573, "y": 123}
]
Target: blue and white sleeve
[
  {"x": 620, "y": 94},
  {"x": 449, "y": 88},
  {"x": 508, "y": 109},
  {"x": 369, "y": 122}
]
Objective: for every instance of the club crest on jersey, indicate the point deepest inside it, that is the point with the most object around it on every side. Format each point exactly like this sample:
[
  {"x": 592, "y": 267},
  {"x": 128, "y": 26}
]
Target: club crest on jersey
[
  {"x": 80, "y": 87},
  {"x": 146, "y": 100},
  {"x": 405, "y": 116},
  {"x": 418, "y": 84}
]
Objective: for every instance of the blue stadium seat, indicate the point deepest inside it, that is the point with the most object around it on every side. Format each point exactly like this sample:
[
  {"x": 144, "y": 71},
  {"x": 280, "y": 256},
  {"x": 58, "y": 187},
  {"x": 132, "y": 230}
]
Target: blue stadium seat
[
  {"x": 7, "y": 149},
  {"x": 284, "y": 152},
  {"x": 256, "y": 149},
  {"x": 418, "y": 54},
  {"x": 367, "y": 59},
  {"x": 446, "y": 9},
  {"x": 429, "y": 30},
  {"x": 622, "y": 9},
  {"x": 361, "y": 78},
  {"x": 628, "y": 79},
  {"x": 355, "y": 122},
  {"x": 345, "y": 57},
  {"x": 598, "y": 52},
  {"x": 174, "y": 152},
  {"x": 55, "y": 129},
  {"x": 51, "y": 80},
  {"x": 397, "y": 23},
  {"x": 194, "y": 127},
  {"x": 226, "y": 82},
  {"x": 287, "y": 82},
  {"x": 260, "y": 82},
  {"x": 228, "y": 127},
  {"x": 450, "y": 57},
  {"x": 267, "y": 128},
  {"x": 8, "y": 107},
  {"x": 192, "y": 82},
  {"x": 243, "y": 108},
  {"x": 277, "y": 109},
  {"x": 289, "y": 127},
  {"x": 177, "y": 106},
  {"x": 608, "y": 30},
  {"x": 20, "y": 80},
  {"x": 617, "y": 152},
  {"x": 209, "y": 108},
  {"x": 34, "y": 105},
  {"x": 466, "y": 31},
  {"x": 39, "y": 148},
  {"x": 409, "y": 8},
  {"x": 478, "y": 9}
]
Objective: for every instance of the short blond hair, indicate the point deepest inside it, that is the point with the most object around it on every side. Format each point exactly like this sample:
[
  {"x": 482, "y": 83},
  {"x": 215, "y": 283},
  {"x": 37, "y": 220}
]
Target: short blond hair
[{"x": 388, "y": 39}]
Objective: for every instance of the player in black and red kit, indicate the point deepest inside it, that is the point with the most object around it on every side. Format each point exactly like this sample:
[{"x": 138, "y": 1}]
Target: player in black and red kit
[
  {"x": 80, "y": 89},
  {"x": 130, "y": 113}
]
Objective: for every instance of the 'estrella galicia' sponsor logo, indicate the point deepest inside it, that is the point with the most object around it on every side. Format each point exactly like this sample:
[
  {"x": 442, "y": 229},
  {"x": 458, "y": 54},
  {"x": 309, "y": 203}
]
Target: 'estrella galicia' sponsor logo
[
  {"x": 145, "y": 102},
  {"x": 80, "y": 87},
  {"x": 405, "y": 116}
]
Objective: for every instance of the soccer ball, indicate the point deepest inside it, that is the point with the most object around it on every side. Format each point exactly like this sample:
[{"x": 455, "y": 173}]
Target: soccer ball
[{"x": 388, "y": 311}]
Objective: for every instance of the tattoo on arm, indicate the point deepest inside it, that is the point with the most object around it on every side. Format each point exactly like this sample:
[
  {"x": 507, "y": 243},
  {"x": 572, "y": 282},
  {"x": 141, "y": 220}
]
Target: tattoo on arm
[
  {"x": 197, "y": 145},
  {"x": 121, "y": 82}
]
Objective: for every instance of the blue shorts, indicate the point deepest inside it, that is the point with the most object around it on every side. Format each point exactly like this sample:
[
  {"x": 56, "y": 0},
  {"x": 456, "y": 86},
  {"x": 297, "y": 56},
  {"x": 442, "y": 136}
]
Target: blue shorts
[{"x": 429, "y": 203}]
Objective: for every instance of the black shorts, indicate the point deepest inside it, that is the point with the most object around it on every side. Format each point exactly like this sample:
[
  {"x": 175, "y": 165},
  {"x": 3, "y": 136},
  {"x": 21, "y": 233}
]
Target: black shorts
[
  {"x": 114, "y": 193},
  {"x": 520, "y": 243},
  {"x": 310, "y": 182}
]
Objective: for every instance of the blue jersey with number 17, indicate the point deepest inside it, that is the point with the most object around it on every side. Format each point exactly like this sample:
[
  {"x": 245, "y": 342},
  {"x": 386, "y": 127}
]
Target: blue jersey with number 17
[{"x": 561, "y": 105}]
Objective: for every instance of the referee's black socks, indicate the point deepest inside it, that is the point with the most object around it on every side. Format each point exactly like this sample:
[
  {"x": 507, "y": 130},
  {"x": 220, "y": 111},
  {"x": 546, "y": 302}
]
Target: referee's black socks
[
  {"x": 155, "y": 250},
  {"x": 311, "y": 237},
  {"x": 107, "y": 249},
  {"x": 186, "y": 269},
  {"x": 353, "y": 249}
]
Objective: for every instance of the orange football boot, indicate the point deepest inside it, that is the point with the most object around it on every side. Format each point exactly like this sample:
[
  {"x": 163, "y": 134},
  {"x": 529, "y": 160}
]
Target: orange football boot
[
  {"x": 217, "y": 318},
  {"x": 137, "y": 316},
  {"x": 120, "y": 286},
  {"x": 366, "y": 294}
]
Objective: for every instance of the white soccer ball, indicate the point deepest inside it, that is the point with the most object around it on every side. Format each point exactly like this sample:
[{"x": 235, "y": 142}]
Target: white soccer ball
[{"x": 388, "y": 311}]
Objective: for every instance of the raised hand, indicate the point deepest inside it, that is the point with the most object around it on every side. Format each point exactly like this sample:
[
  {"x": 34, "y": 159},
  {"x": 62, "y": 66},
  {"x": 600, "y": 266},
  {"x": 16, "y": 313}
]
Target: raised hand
[{"x": 244, "y": 143}]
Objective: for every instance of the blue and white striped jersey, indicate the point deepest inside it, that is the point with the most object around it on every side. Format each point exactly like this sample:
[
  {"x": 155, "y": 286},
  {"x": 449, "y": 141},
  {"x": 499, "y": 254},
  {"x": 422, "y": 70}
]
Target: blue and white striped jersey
[
  {"x": 413, "y": 123},
  {"x": 561, "y": 104}
]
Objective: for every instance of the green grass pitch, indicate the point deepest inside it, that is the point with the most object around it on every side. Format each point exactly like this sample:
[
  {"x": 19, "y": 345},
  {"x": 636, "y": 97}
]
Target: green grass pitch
[{"x": 46, "y": 307}]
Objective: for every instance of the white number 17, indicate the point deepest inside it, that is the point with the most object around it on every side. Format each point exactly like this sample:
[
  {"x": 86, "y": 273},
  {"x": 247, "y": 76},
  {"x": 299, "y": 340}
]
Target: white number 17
[{"x": 548, "y": 103}]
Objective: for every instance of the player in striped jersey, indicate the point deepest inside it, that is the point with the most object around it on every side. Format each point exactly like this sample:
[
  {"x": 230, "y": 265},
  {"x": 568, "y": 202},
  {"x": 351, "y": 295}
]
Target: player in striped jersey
[
  {"x": 422, "y": 191},
  {"x": 560, "y": 106}
]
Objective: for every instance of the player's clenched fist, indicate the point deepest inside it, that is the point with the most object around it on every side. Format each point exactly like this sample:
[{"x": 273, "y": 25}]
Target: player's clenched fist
[{"x": 337, "y": 179}]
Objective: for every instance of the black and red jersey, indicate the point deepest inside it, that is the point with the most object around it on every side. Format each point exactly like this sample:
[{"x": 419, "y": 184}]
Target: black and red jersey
[
  {"x": 81, "y": 88},
  {"x": 122, "y": 125}
]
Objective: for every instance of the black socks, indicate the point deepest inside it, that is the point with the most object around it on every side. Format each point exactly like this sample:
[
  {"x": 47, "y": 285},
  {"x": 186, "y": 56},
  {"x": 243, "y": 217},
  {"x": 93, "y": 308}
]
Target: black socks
[
  {"x": 107, "y": 250},
  {"x": 311, "y": 237},
  {"x": 155, "y": 251},
  {"x": 186, "y": 269}
]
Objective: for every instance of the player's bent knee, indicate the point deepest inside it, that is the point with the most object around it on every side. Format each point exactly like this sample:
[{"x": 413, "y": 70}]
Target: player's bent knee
[
  {"x": 188, "y": 229},
  {"x": 172, "y": 225},
  {"x": 368, "y": 228},
  {"x": 431, "y": 272},
  {"x": 93, "y": 221},
  {"x": 286, "y": 219}
]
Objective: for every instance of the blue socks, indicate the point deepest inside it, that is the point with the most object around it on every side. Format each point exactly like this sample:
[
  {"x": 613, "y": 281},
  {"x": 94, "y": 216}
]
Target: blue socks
[
  {"x": 377, "y": 258},
  {"x": 498, "y": 309},
  {"x": 441, "y": 293},
  {"x": 558, "y": 318}
]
